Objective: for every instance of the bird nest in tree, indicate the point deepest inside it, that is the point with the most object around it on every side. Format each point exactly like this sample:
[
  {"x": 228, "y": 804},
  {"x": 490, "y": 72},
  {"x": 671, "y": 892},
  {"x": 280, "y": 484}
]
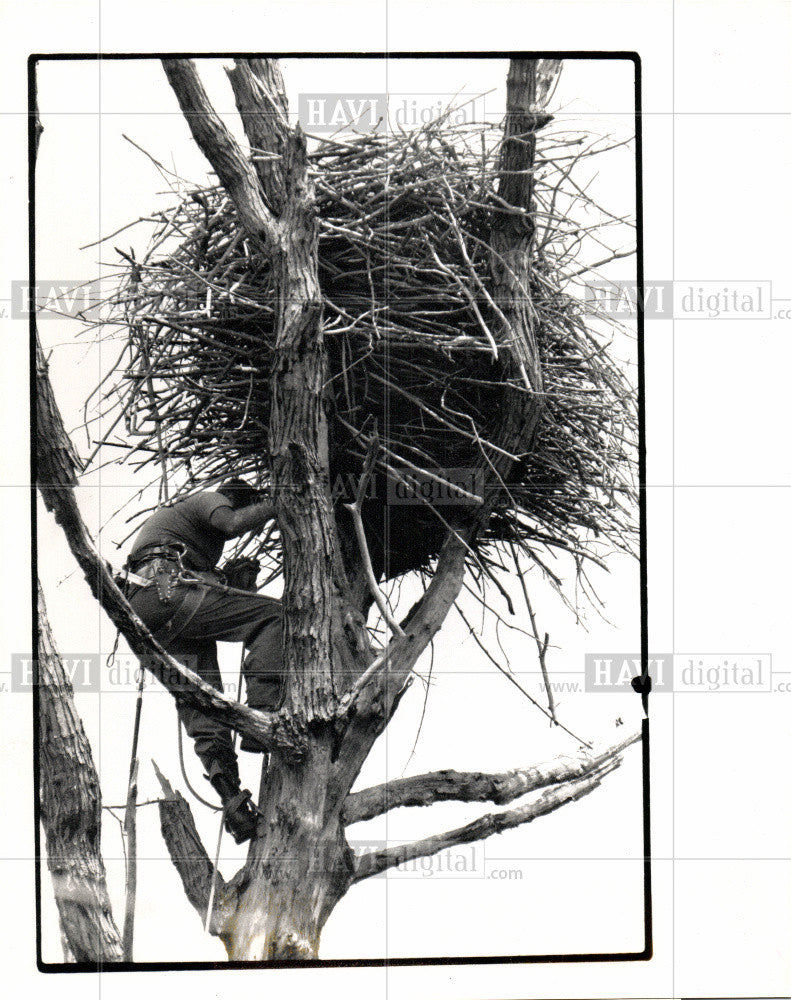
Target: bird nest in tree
[{"x": 413, "y": 343}]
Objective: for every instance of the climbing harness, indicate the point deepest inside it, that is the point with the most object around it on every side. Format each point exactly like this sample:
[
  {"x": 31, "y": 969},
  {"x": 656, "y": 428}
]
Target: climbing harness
[
  {"x": 183, "y": 615},
  {"x": 213, "y": 579}
]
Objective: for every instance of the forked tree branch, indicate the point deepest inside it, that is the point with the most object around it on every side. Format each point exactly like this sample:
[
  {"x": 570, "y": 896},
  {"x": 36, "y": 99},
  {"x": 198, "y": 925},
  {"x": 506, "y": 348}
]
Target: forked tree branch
[
  {"x": 259, "y": 92},
  {"x": 474, "y": 786},
  {"x": 389, "y": 672},
  {"x": 56, "y": 480},
  {"x": 235, "y": 172},
  {"x": 552, "y": 799}
]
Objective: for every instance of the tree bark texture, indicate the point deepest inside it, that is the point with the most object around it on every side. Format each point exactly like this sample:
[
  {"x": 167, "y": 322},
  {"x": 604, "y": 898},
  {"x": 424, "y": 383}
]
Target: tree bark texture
[
  {"x": 283, "y": 896},
  {"x": 528, "y": 87},
  {"x": 71, "y": 811}
]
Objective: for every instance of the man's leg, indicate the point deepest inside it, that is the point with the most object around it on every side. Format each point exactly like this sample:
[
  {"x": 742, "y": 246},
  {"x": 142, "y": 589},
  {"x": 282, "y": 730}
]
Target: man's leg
[
  {"x": 257, "y": 622},
  {"x": 197, "y": 649},
  {"x": 263, "y": 667},
  {"x": 231, "y": 617},
  {"x": 263, "y": 672},
  {"x": 212, "y": 741}
]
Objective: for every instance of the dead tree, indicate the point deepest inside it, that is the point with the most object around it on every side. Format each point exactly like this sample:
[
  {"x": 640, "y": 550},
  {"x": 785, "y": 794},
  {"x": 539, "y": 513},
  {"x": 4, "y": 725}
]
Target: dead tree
[{"x": 340, "y": 696}]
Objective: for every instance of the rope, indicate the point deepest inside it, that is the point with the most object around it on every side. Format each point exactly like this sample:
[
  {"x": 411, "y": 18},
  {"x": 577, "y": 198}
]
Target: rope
[
  {"x": 213, "y": 888},
  {"x": 209, "y": 805}
]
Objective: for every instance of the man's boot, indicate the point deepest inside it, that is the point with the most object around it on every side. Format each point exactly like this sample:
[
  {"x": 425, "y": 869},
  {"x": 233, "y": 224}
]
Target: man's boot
[{"x": 240, "y": 815}]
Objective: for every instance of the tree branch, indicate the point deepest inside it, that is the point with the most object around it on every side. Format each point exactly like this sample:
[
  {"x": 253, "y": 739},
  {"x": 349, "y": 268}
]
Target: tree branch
[
  {"x": 188, "y": 854},
  {"x": 370, "y": 704},
  {"x": 355, "y": 509},
  {"x": 528, "y": 89},
  {"x": 473, "y": 786},
  {"x": 541, "y": 645},
  {"x": 71, "y": 811},
  {"x": 235, "y": 172},
  {"x": 56, "y": 481},
  {"x": 260, "y": 99},
  {"x": 313, "y": 575},
  {"x": 318, "y": 631},
  {"x": 555, "y": 797},
  {"x": 426, "y": 618}
]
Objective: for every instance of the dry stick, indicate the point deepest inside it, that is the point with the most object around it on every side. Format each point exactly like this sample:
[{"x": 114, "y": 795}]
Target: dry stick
[
  {"x": 363, "y": 679},
  {"x": 355, "y": 509},
  {"x": 163, "y": 491},
  {"x": 130, "y": 828},
  {"x": 516, "y": 683},
  {"x": 541, "y": 646},
  {"x": 213, "y": 887},
  {"x": 397, "y": 475},
  {"x": 148, "y": 802}
]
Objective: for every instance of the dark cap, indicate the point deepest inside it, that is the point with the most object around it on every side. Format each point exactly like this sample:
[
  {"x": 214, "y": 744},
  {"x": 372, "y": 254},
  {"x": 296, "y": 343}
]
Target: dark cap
[{"x": 240, "y": 493}]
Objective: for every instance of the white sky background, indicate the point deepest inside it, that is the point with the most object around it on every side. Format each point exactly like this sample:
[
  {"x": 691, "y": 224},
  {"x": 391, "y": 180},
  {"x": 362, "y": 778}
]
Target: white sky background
[{"x": 584, "y": 860}]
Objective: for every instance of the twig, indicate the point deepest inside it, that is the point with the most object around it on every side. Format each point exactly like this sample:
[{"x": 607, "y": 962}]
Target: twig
[
  {"x": 541, "y": 646},
  {"x": 355, "y": 509},
  {"x": 518, "y": 686},
  {"x": 130, "y": 828}
]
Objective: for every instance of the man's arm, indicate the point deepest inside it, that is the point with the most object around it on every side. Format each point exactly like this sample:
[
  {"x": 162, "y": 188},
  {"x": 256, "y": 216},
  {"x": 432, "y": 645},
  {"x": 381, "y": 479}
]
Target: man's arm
[{"x": 233, "y": 523}]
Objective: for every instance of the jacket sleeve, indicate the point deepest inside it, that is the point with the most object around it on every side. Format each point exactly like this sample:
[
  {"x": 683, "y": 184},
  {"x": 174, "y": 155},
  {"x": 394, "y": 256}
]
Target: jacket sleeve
[{"x": 206, "y": 504}]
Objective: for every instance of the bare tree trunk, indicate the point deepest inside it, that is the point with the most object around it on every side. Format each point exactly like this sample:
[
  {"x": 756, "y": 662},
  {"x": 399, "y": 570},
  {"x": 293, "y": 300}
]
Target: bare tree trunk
[
  {"x": 71, "y": 811},
  {"x": 529, "y": 85}
]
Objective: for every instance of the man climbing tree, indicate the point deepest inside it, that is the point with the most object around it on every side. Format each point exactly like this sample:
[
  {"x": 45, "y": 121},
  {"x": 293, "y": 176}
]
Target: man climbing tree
[{"x": 174, "y": 585}]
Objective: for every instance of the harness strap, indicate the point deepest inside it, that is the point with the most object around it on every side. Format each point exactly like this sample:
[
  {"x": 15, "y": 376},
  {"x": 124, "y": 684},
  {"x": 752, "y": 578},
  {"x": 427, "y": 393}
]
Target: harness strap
[
  {"x": 164, "y": 551},
  {"x": 183, "y": 615},
  {"x": 188, "y": 576},
  {"x": 177, "y": 552}
]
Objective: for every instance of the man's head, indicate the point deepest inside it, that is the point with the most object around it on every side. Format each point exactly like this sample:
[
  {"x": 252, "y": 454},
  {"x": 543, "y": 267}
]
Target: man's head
[{"x": 240, "y": 493}]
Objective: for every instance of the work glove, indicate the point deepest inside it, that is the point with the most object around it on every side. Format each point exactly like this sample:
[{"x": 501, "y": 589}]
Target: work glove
[{"x": 241, "y": 573}]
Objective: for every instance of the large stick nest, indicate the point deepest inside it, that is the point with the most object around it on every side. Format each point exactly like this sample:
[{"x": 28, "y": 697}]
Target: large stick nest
[{"x": 410, "y": 331}]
